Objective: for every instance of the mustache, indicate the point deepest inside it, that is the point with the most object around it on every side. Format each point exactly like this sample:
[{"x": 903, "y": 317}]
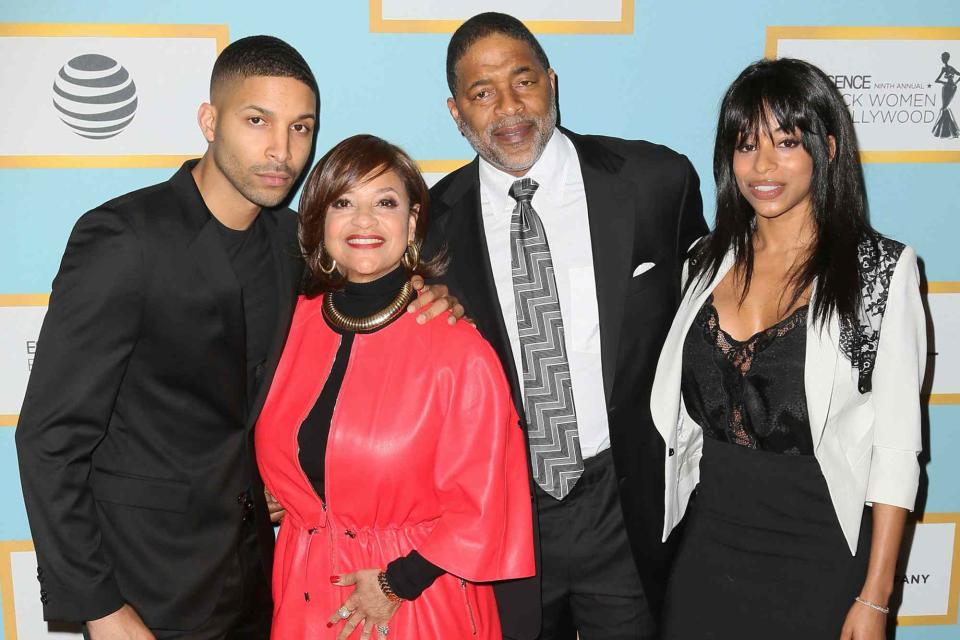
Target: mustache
[
  {"x": 511, "y": 122},
  {"x": 274, "y": 168}
]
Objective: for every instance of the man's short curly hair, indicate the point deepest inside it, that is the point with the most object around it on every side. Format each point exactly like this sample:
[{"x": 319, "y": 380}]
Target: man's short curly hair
[
  {"x": 261, "y": 56},
  {"x": 480, "y": 26}
]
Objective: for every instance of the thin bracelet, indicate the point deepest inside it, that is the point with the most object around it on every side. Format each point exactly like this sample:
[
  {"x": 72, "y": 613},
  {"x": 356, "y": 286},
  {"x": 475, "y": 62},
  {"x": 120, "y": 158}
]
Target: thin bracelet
[{"x": 873, "y": 605}]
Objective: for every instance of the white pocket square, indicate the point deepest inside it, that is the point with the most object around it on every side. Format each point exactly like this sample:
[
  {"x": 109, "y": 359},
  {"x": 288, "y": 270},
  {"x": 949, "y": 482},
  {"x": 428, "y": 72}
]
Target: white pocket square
[{"x": 643, "y": 268}]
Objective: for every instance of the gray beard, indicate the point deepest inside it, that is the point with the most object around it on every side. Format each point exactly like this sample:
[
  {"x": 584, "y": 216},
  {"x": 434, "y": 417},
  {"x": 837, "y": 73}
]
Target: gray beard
[{"x": 543, "y": 127}]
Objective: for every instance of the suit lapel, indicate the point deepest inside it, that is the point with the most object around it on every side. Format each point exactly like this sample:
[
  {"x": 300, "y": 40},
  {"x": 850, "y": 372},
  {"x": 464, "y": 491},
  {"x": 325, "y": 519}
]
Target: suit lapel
[
  {"x": 612, "y": 212},
  {"x": 665, "y": 396},
  {"x": 205, "y": 250},
  {"x": 473, "y": 274},
  {"x": 288, "y": 268}
]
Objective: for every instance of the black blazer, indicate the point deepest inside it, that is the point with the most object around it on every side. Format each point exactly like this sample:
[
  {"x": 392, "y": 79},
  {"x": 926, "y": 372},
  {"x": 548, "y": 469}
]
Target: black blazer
[
  {"x": 644, "y": 205},
  {"x": 135, "y": 442}
]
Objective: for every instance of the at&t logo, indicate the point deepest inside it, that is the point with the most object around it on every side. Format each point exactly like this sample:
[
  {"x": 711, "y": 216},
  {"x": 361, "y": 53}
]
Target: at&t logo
[{"x": 95, "y": 96}]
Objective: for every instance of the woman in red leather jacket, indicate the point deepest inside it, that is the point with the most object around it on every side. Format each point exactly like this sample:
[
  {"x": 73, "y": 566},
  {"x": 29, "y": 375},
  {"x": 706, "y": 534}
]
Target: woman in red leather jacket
[{"x": 393, "y": 446}]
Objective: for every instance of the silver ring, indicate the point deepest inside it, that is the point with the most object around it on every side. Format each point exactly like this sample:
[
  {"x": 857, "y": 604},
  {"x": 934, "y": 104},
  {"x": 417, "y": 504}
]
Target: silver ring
[
  {"x": 383, "y": 630},
  {"x": 343, "y": 612}
]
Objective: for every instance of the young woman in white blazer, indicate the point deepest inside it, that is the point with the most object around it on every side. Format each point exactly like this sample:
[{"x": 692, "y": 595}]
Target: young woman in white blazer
[{"x": 787, "y": 392}]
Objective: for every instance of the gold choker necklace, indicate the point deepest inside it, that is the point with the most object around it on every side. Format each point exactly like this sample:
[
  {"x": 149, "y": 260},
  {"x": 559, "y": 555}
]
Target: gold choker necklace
[{"x": 371, "y": 322}]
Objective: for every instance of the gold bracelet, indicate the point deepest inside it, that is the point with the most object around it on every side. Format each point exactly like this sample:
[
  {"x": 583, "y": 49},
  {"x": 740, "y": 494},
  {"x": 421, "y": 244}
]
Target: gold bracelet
[
  {"x": 873, "y": 605},
  {"x": 385, "y": 587}
]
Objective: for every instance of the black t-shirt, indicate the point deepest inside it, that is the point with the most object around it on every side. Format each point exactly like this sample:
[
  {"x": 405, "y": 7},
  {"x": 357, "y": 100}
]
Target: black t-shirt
[{"x": 251, "y": 257}]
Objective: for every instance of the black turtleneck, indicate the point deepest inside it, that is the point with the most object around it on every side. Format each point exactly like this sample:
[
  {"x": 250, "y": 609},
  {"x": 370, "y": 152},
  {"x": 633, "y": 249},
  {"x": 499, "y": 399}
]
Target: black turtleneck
[{"x": 410, "y": 575}]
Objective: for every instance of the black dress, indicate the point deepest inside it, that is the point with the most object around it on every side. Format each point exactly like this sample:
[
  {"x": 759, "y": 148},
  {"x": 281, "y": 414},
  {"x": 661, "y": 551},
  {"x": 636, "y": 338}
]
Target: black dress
[{"x": 763, "y": 554}]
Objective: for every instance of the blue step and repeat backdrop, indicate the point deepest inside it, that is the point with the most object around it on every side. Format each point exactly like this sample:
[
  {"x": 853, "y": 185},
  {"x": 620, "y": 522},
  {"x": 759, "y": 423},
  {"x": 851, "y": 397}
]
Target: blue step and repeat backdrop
[{"x": 644, "y": 69}]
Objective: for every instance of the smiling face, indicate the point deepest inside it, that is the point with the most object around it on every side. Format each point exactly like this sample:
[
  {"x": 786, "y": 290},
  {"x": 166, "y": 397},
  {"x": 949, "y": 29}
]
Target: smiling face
[
  {"x": 774, "y": 172},
  {"x": 260, "y": 131},
  {"x": 505, "y": 102},
  {"x": 367, "y": 229}
]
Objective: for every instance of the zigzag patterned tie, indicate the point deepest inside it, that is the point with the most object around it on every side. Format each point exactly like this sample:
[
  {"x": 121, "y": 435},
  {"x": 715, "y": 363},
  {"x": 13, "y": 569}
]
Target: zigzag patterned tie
[{"x": 548, "y": 392}]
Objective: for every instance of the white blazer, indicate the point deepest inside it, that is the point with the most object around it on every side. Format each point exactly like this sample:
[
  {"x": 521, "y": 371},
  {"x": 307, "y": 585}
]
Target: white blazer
[{"x": 866, "y": 443}]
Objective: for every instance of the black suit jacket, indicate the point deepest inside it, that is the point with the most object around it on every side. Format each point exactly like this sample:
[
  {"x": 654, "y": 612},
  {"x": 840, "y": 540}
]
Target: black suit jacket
[
  {"x": 644, "y": 205},
  {"x": 134, "y": 441}
]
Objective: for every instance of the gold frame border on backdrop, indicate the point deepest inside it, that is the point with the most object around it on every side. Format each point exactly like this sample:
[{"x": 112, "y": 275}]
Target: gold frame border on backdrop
[
  {"x": 954, "y": 590},
  {"x": 219, "y": 32},
  {"x": 43, "y": 299},
  {"x": 446, "y": 166},
  {"x": 623, "y": 26},
  {"x": 942, "y": 287},
  {"x": 8, "y": 547},
  {"x": 777, "y": 33}
]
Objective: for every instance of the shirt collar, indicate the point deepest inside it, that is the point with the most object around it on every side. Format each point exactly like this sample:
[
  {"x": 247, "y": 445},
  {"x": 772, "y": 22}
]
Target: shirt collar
[{"x": 547, "y": 170}]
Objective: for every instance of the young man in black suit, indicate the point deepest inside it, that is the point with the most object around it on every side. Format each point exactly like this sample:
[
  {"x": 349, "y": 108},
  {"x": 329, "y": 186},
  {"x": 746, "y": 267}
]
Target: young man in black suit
[
  {"x": 566, "y": 250},
  {"x": 165, "y": 325}
]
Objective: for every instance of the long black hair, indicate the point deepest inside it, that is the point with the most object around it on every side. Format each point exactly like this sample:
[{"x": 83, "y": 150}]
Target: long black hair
[{"x": 800, "y": 97}]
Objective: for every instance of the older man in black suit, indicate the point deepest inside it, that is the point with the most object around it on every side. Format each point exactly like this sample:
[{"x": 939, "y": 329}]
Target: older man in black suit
[{"x": 567, "y": 249}]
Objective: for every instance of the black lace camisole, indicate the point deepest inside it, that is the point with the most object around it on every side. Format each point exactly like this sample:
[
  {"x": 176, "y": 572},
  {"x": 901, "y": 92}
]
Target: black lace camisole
[{"x": 748, "y": 393}]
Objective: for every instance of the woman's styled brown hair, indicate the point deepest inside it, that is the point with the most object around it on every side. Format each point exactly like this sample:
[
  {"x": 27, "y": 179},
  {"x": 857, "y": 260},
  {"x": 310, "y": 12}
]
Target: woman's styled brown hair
[{"x": 350, "y": 163}]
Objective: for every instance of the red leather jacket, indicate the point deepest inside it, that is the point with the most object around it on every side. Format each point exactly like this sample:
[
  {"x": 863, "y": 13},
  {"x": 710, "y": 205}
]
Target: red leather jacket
[{"x": 424, "y": 453}]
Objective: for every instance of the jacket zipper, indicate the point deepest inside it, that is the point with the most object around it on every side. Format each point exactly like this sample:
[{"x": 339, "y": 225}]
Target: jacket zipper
[
  {"x": 296, "y": 445},
  {"x": 466, "y": 602},
  {"x": 303, "y": 418}
]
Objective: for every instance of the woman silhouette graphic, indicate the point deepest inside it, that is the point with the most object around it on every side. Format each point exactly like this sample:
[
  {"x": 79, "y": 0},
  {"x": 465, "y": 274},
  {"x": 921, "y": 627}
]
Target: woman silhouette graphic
[{"x": 946, "y": 125}]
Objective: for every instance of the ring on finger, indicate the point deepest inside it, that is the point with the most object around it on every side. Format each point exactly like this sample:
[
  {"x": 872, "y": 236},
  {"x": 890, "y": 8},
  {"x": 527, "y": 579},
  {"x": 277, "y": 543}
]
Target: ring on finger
[
  {"x": 383, "y": 630},
  {"x": 343, "y": 612}
]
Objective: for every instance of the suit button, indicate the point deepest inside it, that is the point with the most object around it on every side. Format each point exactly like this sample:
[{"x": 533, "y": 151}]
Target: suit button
[
  {"x": 242, "y": 498},
  {"x": 671, "y": 452}
]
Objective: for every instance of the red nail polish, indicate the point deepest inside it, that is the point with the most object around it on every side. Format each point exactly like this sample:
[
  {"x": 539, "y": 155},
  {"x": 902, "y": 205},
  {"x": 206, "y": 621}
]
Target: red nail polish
[
  {"x": 334, "y": 579},
  {"x": 329, "y": 624}
]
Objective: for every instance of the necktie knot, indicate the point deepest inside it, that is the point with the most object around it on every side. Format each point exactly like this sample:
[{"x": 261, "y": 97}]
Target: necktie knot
[{"x": 523, "y": 189}]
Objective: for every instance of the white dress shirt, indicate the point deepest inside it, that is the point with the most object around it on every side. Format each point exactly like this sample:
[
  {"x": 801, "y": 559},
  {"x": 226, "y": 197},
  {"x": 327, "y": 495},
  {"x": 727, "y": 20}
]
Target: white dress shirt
[{"x": 561, "y": 203}]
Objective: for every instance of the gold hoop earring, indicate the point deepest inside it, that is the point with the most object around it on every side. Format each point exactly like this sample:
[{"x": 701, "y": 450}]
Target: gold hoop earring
[
  {"x": 325, "y": 270},
  {"x": 411, "y": 257}
]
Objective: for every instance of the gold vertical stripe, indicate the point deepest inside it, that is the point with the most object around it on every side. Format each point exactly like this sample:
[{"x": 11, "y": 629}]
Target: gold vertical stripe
[{"x": 8, "y": 547}]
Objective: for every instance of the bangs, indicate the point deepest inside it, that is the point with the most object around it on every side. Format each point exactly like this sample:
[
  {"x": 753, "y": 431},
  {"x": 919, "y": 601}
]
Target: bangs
[
  {"x": 346, "y": 171},
  {"x": 758, "y": 98}
]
